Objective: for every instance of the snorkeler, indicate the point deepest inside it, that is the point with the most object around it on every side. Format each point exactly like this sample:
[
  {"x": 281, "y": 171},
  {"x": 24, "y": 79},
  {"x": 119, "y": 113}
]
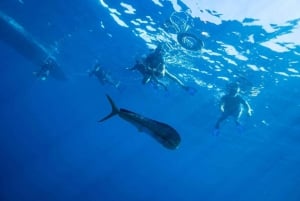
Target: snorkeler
[
  {"x": 148, "y": 74},
  {"x": 103, "y": 76},
  {"x": 45, "y": 69},
  {"x": 153, "y": 67},
  {"x": 230, "y": 105}
]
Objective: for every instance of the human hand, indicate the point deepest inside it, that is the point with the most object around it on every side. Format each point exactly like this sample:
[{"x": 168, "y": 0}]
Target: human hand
[{"x": 250, "y": 111}]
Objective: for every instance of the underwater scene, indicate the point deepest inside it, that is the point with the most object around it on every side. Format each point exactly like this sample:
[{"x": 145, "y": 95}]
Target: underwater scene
[{"x": 150, "y": 100}]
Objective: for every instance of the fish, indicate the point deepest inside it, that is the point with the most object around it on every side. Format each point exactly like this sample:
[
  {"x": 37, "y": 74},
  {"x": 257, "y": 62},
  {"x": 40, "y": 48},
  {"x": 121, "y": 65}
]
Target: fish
[{"x": 161, "y": 132}]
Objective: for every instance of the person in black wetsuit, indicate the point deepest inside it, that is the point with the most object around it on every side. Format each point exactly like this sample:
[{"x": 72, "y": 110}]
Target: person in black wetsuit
[{"x": 153, "y": 67}]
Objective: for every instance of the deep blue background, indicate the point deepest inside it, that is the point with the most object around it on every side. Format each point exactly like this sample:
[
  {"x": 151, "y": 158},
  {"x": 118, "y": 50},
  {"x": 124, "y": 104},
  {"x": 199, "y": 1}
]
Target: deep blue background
[{"x": 52, "y": 148}]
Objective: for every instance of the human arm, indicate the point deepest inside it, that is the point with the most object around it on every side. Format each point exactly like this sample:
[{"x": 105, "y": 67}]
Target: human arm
[
  {"x": 222, "y": 103},
  {"x": 247, "y": 107},
  {"x": 174, "y": 78}
]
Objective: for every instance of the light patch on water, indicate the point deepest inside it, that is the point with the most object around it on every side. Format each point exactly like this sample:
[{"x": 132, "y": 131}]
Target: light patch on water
[
  {"x": 118, "y": 20},
  {"x": 194, "y": 69},
  {"x": 206, "y": 34},
  {"x": 21, "y": 1},
  {"x": 294, "y": 62},
  {"x": 263, "y": 69},
  {"x": 157, "y": 2},
  {"x": 150, "y": 20},
  {"x": 141, "y": 21},
  {"x": 274, "y": 46},
  {"x": 129, "y": 8},
  {"x": 241, "y": 57},
  {"x": 253, "y": 67},
  {"x": 160, "y": 38},
  {"x": 210, "y": 86},
  {"x": 114, "y": 13},
  {"x": 175, "y": 5},
  {"x": 251, "y": 39},
  {"x": 229, "y": 70},
  {"x": 205, "y": 72},
  {"x": 197, "y": 12},
  {"x": 230, "y": 61},
  {"x": 151, "y": 46},
  {"x": 291, "y": 38},
  {"x": 223, "y": 78},
  {"x": 208, "y": 59},
  {"x": 210, "y": 52},
  {"x": 218, "y": 69},
  {"x": 103, "y": 4},
  {"x": 282, "y": 73},
  {"x": 205, "y": 16},
  {"x": 149, "y": 17},
  {"x": 150, "y": 28},
  {"x": 293, "y": 70},
  {"x": 200, "y": 83},
  {"x": 263, "y": 57},
  {"x": 135, "y": 23},
  {"x": 143, "y": 34},
  {"x": 262, "y": 10},
  {"x": 173, "y": 36},
  {"x": 230, "y": 50}
]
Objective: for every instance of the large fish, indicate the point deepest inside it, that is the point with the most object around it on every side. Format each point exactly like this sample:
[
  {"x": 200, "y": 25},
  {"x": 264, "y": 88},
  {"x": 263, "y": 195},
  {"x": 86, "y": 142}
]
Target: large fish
[
  {"x": 15, "y": 35},
  {"x": 163, "y": 133}
]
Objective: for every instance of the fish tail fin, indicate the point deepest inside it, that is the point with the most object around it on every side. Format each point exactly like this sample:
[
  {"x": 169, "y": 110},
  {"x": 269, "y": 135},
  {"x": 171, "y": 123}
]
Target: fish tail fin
[{"x": 114, "y": 109}]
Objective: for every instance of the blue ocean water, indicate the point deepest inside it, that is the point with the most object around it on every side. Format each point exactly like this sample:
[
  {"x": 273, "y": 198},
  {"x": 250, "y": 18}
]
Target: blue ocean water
[{"x": 53, "y": 148}]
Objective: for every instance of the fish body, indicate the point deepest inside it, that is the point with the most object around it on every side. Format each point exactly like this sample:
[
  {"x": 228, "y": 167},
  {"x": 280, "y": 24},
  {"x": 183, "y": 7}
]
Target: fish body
[{"x": 162, "y": 132}]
